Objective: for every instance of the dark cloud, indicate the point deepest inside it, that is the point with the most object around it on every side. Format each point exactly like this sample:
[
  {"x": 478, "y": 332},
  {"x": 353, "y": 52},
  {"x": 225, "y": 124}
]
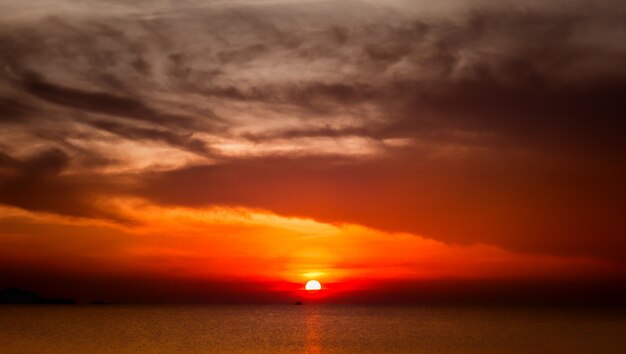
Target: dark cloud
[
  {"x": 11, "y": 110},
  {"x": 101, "y": 103},
  {"x": 184, "y": 141},
  {"x": 37, "y": 184},
  {"x": 523, "y": 206},
  {"x": 325, "y": 131},
  {"x": 7, "y": 161}
]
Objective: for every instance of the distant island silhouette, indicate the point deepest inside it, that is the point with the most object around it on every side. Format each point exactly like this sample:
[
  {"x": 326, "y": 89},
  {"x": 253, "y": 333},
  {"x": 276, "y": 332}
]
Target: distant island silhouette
[{"x": 16, "y": 296}]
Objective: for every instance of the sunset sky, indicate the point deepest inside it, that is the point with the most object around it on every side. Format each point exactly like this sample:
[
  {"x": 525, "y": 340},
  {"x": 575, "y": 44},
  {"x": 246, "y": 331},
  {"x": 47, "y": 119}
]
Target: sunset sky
[{"x": 201, "y": 151}]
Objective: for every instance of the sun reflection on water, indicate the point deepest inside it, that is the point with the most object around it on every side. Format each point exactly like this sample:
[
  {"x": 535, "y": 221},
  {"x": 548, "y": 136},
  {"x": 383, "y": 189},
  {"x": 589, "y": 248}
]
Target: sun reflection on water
[{"x": 313, "y": 331}]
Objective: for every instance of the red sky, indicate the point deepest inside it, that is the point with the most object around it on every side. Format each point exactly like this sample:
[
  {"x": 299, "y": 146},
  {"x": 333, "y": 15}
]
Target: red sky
[{"x": 393, "y": 150}]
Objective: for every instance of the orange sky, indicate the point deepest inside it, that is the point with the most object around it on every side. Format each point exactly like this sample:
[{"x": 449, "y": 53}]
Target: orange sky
[
  {"x": 254, "y": 246},
  {"x": 224, "y": 149}
]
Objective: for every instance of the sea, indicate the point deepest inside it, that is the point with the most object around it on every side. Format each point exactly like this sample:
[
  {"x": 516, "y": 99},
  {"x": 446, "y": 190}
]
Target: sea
[{"x": 309, "y": 329}]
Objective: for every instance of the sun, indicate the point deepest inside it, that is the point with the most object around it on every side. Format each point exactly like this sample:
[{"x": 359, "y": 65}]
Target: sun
[{"x": 313, "y": 285}]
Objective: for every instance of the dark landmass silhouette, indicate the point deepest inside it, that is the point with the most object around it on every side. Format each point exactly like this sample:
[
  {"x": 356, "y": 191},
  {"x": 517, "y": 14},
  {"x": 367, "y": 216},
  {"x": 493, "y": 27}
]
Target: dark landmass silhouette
[
  {"x": 18, "y": 296},
  {"x": 298, "y": 303}
]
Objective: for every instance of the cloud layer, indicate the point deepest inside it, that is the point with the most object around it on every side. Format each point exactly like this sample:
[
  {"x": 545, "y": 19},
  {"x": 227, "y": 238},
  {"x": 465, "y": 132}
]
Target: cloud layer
[{"x": 465, "y": 123}]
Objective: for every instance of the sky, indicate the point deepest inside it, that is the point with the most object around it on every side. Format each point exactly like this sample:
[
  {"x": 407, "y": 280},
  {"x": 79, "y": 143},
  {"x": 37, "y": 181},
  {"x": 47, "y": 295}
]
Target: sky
[{"x": 201, "y": 151}]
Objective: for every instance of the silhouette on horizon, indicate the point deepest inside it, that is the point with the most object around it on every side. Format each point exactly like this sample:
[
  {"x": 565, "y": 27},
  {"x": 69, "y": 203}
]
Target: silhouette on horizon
[{"x": 15, "y": 296}]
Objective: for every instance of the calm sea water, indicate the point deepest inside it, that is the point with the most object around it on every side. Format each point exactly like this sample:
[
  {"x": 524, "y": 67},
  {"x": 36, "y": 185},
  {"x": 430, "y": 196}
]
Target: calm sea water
[{"x": 308, "y": 329}]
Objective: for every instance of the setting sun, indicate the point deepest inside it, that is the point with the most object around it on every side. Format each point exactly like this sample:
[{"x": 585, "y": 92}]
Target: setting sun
[
  {"x": 453, "y": 171},
  {"x": 313, "y": 285}
]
